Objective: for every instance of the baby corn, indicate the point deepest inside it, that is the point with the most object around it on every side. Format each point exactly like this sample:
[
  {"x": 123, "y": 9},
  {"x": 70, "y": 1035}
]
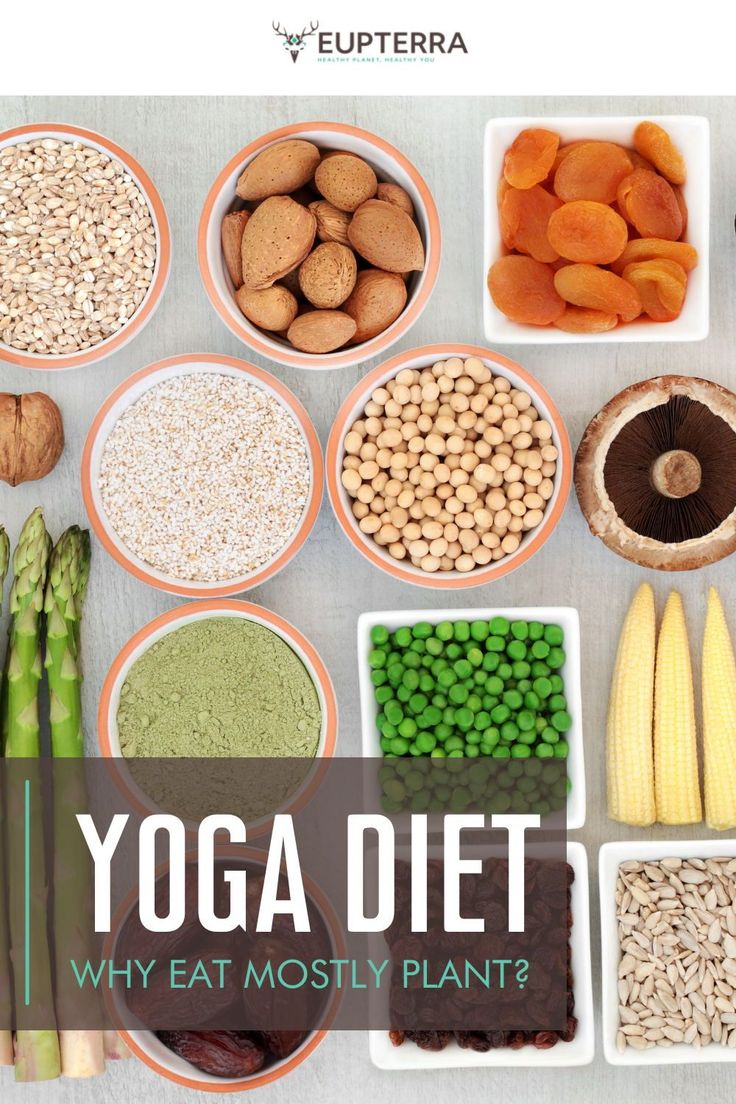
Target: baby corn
[
  {"x": 719, "y": 718},
  {"x": 676, "y": 783},
  {"x": 629, "y": 748}
]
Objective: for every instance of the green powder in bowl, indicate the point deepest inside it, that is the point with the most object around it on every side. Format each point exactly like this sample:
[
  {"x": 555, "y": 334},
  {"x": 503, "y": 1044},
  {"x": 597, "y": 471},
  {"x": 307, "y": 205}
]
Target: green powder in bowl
[{"x": 219, "y": 687}]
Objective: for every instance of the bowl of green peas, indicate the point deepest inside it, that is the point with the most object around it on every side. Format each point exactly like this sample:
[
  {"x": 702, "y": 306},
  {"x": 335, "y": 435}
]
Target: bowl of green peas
[{"x": 477, "y": 686}]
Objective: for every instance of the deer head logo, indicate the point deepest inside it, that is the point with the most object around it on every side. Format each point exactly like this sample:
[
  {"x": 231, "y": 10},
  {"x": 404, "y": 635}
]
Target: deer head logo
[{"x": 294, "y": 43}]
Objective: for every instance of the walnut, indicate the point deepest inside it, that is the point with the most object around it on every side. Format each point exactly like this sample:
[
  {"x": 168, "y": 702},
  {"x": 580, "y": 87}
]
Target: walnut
[{"x": 31, "y": 436}]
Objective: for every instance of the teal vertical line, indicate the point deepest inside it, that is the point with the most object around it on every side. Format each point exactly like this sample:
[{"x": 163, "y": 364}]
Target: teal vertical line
[{"x": 27, "y": 895}]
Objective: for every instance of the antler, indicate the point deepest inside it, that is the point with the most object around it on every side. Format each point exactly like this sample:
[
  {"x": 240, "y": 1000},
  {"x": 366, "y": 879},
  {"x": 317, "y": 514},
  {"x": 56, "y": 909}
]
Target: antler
[
  {"x": 280, "y": 31},
  {"x": 313, "y": 27}
]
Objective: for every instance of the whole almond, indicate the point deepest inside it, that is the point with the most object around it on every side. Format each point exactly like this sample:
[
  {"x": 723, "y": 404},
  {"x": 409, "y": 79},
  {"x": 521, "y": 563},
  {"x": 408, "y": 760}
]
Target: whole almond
[
  {"x": 278, "y": 170},
  {"x": 332, "y": 224},
  {"x": 277, "y": 237},
  {"x": 376, "y": 301},
  {"x": 394, "y": 193},
  {"x": 321, "y": 331},
  {"x": 328, "y": 275},
  {"x": 272, "y": 308},
  {"x": 386, "y": 236},
  {"x": 345, "y": 180},
  {"x": 231, "y": 234}
]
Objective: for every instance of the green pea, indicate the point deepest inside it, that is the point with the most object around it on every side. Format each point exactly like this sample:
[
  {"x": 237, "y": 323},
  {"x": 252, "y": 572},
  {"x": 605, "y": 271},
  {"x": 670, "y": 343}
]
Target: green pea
[
  {"x": 557, "y": 684},
  {"x": 540, "y": 649},
  {"x": 378, "y": 677},
  {"x": 440, "y": 701},
  {"x": 426, "y": 662},
  {"x": 388, "y": 730},
  {"x": 446, "y": 678},
  {"x": 501, "y": 752},
  {"x": 444, "y": 631},
  {"x": 516, "y": 650},
  {"x": 491, "y": 736},
  {"x": 550, "y": 735},
  {"x": 527, "y": 738},
  {"x": 453, "y": 651},
  {"x": 479, "y": 630},
  {"x": 432, "y": 715},
  {"x": 435, "y": 647},
  {"x": 412, "y": 660},
  {"x": 410, "y": 679},
  {"x": 504, "y": 671},
  {"x": 499, "y": 626},
  {"x": 554, "y": 635},
  {"x": 458, "y": 695},
  {"x": 475, "y": 703},
  {"x": 520, "y": 751},
  {"x": 419, "y": 646},
  {"x": 542, "y": 686},
  {"x": 462, "y": 631},
  {"x": 494, "y": 685},
  {"x": 442, "y": 731},
  {"x": 379, "y": 635},
  {"x": 561, "y": 721},
  {"x": 448, "y": 715},
  {"x": 473, "y": 736},
  {"x": 482, "y": 719},
  {"x": 383, "y": 694},
  {"x": 500, "y": 714},
  {"x": 403, "y": 693},
  {"x": 399, "y": 745},
  {"x": 536, "y": 630},
  {"x": 403, "y": 637},
  {"x": 414, "y": 781},
  {"x": 509, "y": 731},
  {"x": 454, "y": 743},
  {"x": 395, "y": 673},
  {"x": 540, "y": 669},
  {"x": 479, "y": 677},
  {"x": 526, "y": 720},
  {"x": 561, "y": 749},
  {"x": 557, "y": 701},
  {"x": 385, "y": 744},
  {"x": 417, "y": 702},
  {"x": 519, "y": 630},
  {"x": 462, "y": 669},
  {"x": 490, "y": 661},
  {"x": 556, "y": 658},
  {"x": 475, "y": 657},
  {"x": 394, "y": 712},
  {"x": 471, "y": 751},
  {"x": 521, "y": 669},
  {"x": 426, "y": 684},
  {"x": 513, "y": 699},
  {"x": 408, "y": 728},
  {"x": 377, "y": 658},
  {"x": 544, "y": 751},
  {"x": 495, "y": 644},
  {"x": 438, "y": 665},
  {"x": 438, "y": 753},
  {"x": 464, "y": 719},
  {"x": 421, "y": 630}
]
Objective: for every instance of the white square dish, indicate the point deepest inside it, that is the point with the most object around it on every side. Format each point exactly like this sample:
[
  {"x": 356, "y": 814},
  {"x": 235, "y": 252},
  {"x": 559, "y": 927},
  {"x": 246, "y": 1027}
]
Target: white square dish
[
  {"x": 691, "y": 134},
  {"x": 611, "y": 855},
  {"x": 579, "y": 1052},
  {"x": 564, "y": 616}
]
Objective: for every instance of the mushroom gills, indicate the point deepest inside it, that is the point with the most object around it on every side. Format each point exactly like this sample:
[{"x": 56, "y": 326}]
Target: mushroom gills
[{"x": 671, "y": 471}]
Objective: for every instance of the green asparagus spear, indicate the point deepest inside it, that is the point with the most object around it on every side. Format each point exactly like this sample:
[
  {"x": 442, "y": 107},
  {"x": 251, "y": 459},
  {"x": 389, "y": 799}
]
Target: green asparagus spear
[
  {"x": 6, "y": 989},
  {"x": 23, "y": 668},
  {"x": 67, "y": 581},
  {"x": 82, "y": 1051},
  {"x": 36, "y": 1051}
]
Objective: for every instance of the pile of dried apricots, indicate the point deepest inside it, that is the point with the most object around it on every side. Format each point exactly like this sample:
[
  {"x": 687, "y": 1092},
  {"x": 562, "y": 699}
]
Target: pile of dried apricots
[{"x": 593, "y": 231}]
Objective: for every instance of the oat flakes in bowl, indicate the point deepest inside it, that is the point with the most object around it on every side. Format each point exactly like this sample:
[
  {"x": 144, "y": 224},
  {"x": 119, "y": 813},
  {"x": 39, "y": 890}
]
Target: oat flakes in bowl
[
  {"x": 84, "y": 247},
  {"x": 202, "y": 475}
]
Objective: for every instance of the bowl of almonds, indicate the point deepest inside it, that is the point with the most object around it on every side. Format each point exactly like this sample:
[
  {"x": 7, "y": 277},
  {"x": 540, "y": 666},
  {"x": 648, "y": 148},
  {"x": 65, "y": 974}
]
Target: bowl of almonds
[
  {"x": 319, "y": 245},
  {"x": 85, "y": 247},
  {"x": 448, "y": 466}
]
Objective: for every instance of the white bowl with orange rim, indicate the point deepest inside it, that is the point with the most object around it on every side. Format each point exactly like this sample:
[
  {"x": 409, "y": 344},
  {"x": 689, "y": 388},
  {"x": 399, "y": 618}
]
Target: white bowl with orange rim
[
  {"x": 165, "y": 623},
  {"x": 150, "y": 1049},
  {"x": 127, "y": 394},
  {"x": 352, "y": 409},
  {"x": 114, "y": 342},
  {"x": 391, "y": 166}
]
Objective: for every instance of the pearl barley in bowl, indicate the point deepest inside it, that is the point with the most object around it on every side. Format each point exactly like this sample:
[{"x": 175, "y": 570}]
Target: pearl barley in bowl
[
  {"x": 448, "y": 466},
  {"x": 202, "y": 475}
]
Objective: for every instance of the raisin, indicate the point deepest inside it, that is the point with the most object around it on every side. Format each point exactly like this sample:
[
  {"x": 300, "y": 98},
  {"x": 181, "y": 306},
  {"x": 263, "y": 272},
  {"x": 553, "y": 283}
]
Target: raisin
[
  {"x": 592, "y": 170},
  {"x": 530, "y": 157},
  {"x": 648, "y": 201},
  {"x": 651, "y": 249},
  {"x": 655, "y": 144},
  {"x": 219, "y": 1053},
  {"x": 585, "y": 320},
  {"x": 523, "y": 289},
  {"x": 661, "y": 287},
  {"x": 588, "y": 232},
  {"x": 524, "y": 216},
  {"x": 543, "y": 1040},
  {"x": 584, "y": 285}
]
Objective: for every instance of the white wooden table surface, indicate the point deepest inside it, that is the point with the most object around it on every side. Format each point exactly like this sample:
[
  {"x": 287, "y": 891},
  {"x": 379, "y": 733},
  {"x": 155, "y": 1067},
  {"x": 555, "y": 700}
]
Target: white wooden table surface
[{"x": 183, "y": 143}]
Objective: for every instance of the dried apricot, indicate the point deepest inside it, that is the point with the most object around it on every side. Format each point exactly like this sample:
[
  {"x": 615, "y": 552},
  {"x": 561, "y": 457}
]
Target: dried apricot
[
  {"x": 654, "y": 143},
  {"x": 661, "y": 287},
  {"x": 584, "y": 285},
  {"x": 530, "y": 157},
  {"x": 524, "y": 290},
  {"x": 649, "y": 202},
  {"x": 638, "y": 161},
  {"x": 587, "y": 231},
  {"x": 592, "y": 170},
  {"x": 585, "y": 320},
  {"x": 683, "y": 207},
  {"x": 524, "y": 216},
  {"x": 652, "y": 249}
]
